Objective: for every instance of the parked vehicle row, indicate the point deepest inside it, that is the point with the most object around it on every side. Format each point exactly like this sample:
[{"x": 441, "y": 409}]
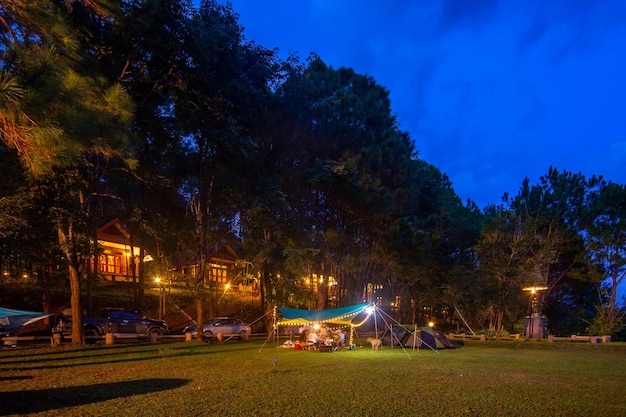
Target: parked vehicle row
[
  {"x": 224, "y": 326},
  {"x": 115, "y": 320},
  {"x": 120, "y": 321}
]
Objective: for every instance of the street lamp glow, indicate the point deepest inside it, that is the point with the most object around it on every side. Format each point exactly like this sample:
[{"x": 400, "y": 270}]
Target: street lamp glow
[{"x": 533, "y": 290}]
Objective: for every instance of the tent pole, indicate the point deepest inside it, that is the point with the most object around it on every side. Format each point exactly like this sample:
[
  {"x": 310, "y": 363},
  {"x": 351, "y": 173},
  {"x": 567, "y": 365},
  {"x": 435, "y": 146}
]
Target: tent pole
[
  {"x": 351, "y": 336},
  {"x": 264, "y": 343},
  {"x": 375, "y": 321},
  {"x": 392, "y": 333},
  {"x": 463, "y": 319},
  {"x": 275, "y": 330}
]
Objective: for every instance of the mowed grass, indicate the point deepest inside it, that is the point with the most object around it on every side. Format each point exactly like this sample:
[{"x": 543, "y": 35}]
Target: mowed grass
[{"x": 521, "y": 378}]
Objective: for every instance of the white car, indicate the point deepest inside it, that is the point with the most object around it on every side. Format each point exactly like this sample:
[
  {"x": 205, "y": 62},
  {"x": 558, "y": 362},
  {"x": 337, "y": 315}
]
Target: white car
[{"x": 226, "y": 326}]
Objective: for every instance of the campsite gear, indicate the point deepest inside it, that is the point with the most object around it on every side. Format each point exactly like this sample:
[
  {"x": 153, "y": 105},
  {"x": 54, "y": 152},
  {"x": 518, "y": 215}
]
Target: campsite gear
[
  {"x": 429, "y": 338},
  {"x": 12, "y": 320}
]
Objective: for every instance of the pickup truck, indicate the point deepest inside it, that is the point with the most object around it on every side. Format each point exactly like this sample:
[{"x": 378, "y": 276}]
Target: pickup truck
[{"x": 119, "y": 321}]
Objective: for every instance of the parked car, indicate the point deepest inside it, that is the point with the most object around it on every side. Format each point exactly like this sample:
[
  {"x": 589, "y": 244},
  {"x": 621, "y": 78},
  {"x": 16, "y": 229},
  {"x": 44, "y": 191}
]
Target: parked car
[
  {"x": 226, "y": 326},
  {"x": 115, "y": 320}
]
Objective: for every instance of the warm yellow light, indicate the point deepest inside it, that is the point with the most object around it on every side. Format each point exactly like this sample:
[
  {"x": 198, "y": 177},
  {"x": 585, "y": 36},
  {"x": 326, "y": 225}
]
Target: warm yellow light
[
  {"x": 157, "y": 280},
  {"x": 533, "y": 290},
  {"x": 431, "y": 324},
  {"x": 227, "y": 286}
]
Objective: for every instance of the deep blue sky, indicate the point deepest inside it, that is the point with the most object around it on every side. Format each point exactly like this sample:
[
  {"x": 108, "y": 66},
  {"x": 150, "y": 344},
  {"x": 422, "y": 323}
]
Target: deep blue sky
[{"x": 491, "y": 91}]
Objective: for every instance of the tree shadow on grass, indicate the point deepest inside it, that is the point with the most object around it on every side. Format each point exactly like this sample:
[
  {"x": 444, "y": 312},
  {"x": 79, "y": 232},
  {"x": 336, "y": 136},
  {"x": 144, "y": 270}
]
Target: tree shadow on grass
[
  {"x": 36, "y": 401},
  {"x": 14, "y": 378}
]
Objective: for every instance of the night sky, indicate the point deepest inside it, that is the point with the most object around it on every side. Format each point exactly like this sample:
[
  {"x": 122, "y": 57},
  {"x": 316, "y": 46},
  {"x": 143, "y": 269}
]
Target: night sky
[{"x": 490, "y": 91}]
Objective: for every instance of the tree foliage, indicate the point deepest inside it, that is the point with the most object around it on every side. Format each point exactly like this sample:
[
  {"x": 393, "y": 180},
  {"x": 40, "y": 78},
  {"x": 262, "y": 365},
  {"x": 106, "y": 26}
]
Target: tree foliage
[{"x": 163, "y": 115}]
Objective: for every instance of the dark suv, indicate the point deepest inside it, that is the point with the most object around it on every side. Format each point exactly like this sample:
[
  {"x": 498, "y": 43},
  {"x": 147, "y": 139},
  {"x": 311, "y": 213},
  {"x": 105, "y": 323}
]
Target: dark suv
[{"x": 115, "y": 320}]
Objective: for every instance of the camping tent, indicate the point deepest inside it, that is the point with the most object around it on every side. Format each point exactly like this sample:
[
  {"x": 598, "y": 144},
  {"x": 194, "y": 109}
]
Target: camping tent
[
  {"x": 342, "y": 316},
  {"x": 394, "y": 335},
  {"x": 426, "y": 337},
  {"x": 12, "y": 320},
  {"x": 352, "y": 316}
]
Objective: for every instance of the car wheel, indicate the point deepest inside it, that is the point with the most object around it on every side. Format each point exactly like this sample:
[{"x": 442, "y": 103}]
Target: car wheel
[
  {"x": 242, "y": 334},
  {"x": 91, "y": 334},
  {"x": 207, "y": 335},
  {"x": 156, "y": 331}
]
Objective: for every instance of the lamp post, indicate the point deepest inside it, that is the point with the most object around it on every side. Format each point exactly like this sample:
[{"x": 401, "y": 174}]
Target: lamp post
[
  {"x": 162, "y": 308},
  {"x": 534, "y": 326},
  {"x": 219, "y": 300}
]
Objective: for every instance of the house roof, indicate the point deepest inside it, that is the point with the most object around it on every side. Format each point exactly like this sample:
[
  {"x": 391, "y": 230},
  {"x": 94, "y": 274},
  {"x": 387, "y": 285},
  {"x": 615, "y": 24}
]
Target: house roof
[
  {"x": 223, "y": 251},
  {"x": 115, "y": 232}
]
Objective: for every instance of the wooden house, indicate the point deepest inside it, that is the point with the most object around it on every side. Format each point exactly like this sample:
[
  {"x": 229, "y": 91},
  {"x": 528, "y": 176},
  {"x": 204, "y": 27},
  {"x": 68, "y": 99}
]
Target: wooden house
[{"x": 119, "y": 253}]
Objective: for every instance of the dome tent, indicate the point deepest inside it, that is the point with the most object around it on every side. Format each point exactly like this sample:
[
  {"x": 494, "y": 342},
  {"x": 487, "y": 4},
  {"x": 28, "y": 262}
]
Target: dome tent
[{"x": 426, "y": 337}]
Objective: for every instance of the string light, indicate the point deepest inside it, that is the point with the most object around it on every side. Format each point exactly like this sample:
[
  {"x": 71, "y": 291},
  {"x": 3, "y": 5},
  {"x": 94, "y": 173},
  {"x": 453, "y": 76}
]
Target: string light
[{"x": 335, "y": 320}]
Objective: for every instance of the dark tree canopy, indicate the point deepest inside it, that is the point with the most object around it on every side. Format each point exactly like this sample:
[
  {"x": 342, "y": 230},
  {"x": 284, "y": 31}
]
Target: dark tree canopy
[{"x": 161, "y": 114}]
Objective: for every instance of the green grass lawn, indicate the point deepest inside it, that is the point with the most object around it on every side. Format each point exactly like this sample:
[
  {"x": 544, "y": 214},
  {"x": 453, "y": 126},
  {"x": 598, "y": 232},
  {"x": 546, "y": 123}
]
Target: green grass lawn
[{"x": 246, "y": 378}]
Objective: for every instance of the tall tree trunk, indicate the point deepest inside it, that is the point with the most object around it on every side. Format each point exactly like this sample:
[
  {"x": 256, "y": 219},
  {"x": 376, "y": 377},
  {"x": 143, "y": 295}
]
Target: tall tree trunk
[
  {"x": 499, "y": 319},
  {"x": 142, "y": 279},
  {"x": 132, "y": 265},
  {"x": 43, "y": 273},
  {"x": 322, "y": 288},
  {"x": 200, "y": 293},
  {"x": 264, "y": 296},
  {"x": 612, "y": 313},
  {"x": 78, "y": 337},
  {"x": 74, "y": 276},
  {"x": 73, "y": 259}
]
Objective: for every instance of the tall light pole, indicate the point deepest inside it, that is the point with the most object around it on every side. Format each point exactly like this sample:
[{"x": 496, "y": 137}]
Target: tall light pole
[
  {"x": 162, "y": 307},
  {"x": 534, "y": 326}
]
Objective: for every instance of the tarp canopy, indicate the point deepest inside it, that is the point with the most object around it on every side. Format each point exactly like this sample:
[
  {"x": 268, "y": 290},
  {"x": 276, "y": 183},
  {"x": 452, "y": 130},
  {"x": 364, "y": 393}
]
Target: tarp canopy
[
  {"x": 339, "y": 316},
  {"x": 12, "y": 320}
]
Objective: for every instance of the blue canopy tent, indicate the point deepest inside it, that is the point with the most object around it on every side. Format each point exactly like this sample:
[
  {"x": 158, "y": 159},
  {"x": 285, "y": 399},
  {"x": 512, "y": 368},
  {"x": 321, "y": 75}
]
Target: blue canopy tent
[
  {"x": 352, "y": 316},
  {"x": 12, "y": 320},
  {"x": 339, "y": 316}
]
